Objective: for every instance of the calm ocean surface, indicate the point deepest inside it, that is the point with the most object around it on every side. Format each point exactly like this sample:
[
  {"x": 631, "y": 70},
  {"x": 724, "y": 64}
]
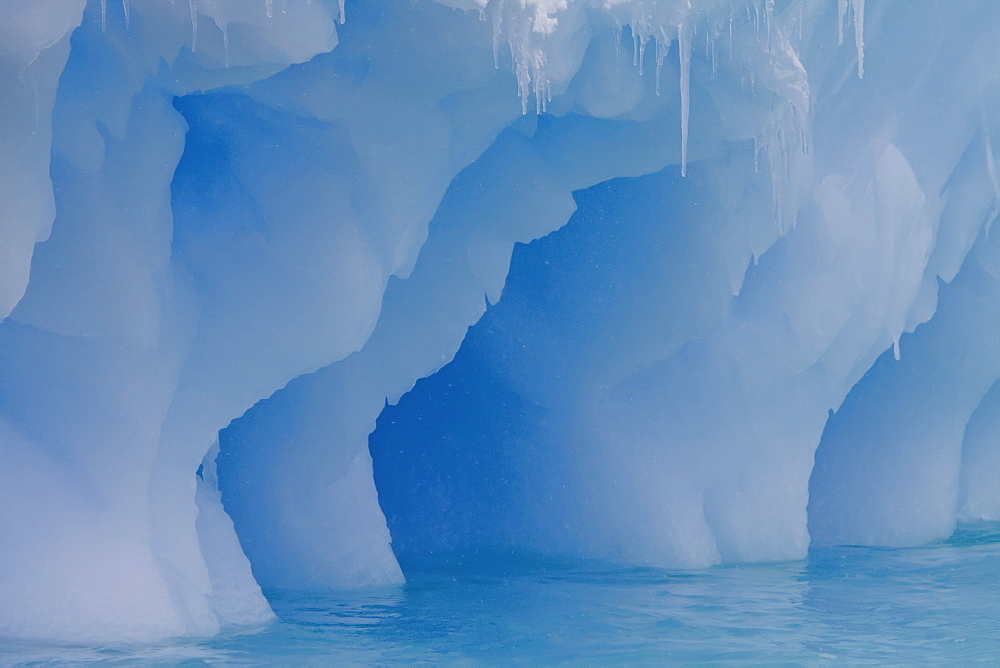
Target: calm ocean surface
[{"x": 846, "y": 605}]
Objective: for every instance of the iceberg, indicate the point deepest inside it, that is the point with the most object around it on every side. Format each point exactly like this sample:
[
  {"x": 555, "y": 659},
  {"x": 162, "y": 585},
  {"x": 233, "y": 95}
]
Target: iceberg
[{"x": 297, "y": 294}]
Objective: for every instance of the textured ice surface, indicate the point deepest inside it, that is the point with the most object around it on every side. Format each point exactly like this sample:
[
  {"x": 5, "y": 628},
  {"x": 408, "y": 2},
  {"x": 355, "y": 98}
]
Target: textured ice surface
[{"x": 278, "y": 216}]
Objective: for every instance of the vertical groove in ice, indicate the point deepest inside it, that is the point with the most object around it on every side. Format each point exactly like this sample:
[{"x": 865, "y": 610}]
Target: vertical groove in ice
[
  {"x": 715, "y": 61},
  {"x": 802, "y": 17},
  {"x": 617, "y": 33},
  {"x": 104, "y": 15},
  {"x": 858, "y": 8},
  {"x": 192, "y": 4},
  {"x": 768, "y": 19},
  {"x": 684, "y": 49},
  {"x": 841, "y": 14},
  {"x": 991, "y": 170}
]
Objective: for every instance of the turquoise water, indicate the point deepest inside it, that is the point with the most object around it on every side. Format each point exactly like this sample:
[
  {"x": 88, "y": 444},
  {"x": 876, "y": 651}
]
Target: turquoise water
[{"x": 939, "y": 603}]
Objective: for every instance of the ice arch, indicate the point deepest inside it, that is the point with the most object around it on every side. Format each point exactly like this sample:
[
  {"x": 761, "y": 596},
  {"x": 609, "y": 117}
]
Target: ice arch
[
  {"x": 548, "y": 447},
  {"x": 249, "y": 195},
  {"x": 520, "y": 188}
]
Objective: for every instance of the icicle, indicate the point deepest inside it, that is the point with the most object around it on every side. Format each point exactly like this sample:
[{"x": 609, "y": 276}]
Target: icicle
[
  {"x": 127, "y": 15},
  {"x": 730, "y": 37},
  {"x": 104, "y": 15},
  {"x": 284, "y": 6},
  {"x": 662, "y": 47},
  {"x": 269, "y": 8},
  {"x": 841, "y": 13},
  {"x": 635, "y": 48},
  {"x": 895, "y": 347},
  {"x": 768, "y": 15},
  {"x": 715, "y": 62},
  {"x": 858, "y": 7},
  {"x": 225, "y": 44},
  {"x": 497, "y": 26},
  {"x": 343, "y": 12},
  {"x": 684, "y": 49},
  {"x": 642, "y": 52},
  {"x": 194, "y": 24},
  {"x": 522, "y": 70}
]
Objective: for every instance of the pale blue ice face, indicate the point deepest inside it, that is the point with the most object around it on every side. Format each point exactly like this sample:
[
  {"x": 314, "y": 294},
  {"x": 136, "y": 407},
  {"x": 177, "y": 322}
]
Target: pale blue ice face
[{"x": 687, "y": 283}]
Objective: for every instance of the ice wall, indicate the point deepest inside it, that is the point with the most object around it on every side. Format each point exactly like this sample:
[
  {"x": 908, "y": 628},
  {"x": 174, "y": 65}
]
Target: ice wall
[
  {"x": 231, "y": 197},
  {"x": 34, "y": 45},
  {"x": 519, "y": 189},
  {"x": 669, "y": 422},
  {"x": 98, "y": 393}
]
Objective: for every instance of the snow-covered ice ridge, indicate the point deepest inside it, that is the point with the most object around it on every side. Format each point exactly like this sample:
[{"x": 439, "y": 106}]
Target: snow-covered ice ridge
[{"x": 281, "y": 214}]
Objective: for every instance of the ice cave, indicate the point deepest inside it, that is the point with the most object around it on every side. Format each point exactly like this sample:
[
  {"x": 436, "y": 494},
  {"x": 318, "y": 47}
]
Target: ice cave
[{"x": 319, "y": 296}]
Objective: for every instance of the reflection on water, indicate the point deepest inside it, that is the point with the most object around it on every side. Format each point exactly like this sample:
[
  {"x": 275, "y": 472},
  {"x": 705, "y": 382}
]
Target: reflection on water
[{"x": 937, "y": 603}]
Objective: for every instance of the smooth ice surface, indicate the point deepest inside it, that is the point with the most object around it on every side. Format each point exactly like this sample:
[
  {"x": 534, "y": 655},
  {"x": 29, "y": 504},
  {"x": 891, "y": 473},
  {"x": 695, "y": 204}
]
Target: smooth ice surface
[{"x": 734, "y": 256}]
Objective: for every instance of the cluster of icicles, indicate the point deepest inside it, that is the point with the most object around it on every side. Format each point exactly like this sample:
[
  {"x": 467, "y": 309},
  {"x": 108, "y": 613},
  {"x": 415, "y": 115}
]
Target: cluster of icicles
[
  {"x": 269, "y": 10},
  {"x": 527, "y": 25}
]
